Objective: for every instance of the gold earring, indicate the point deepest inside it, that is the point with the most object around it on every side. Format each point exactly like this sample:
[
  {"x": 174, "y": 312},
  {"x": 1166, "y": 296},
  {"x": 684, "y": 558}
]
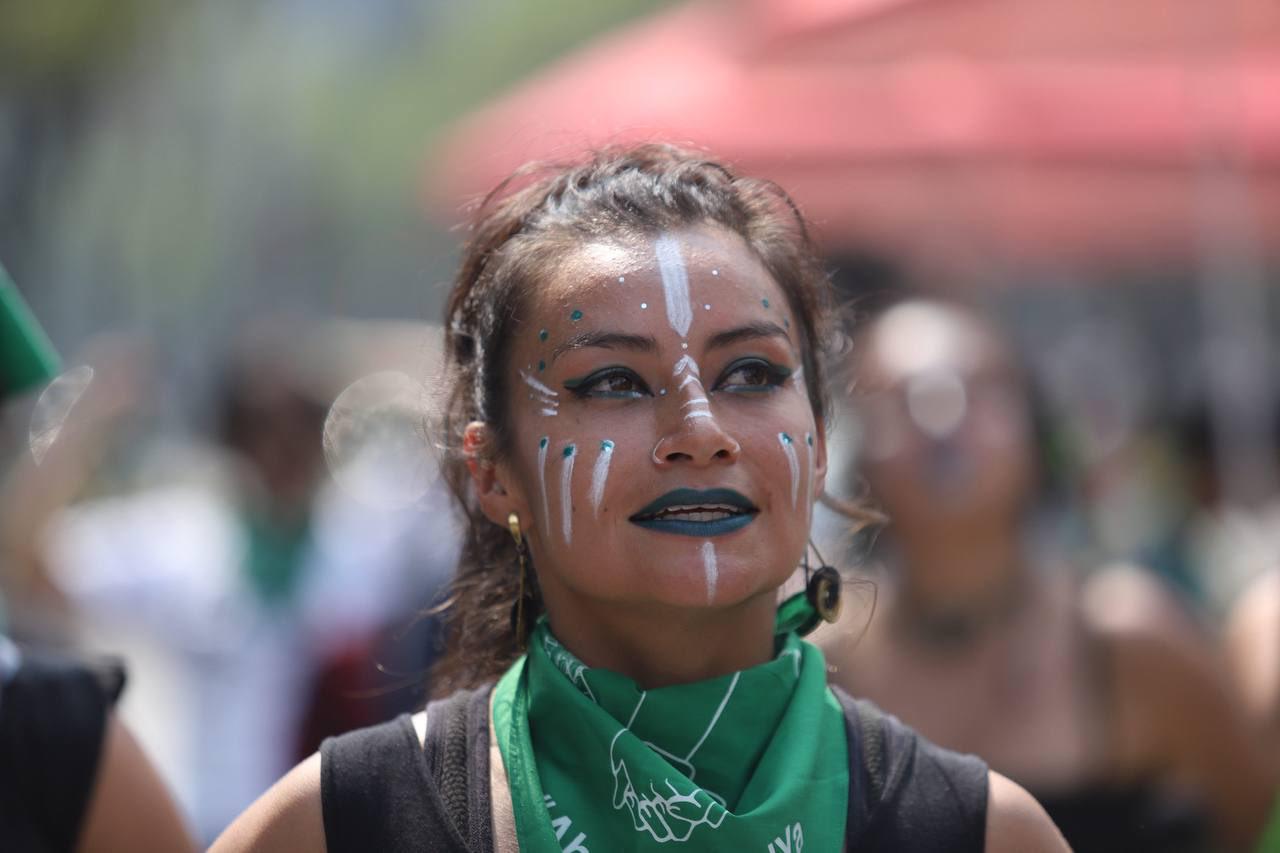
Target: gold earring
[{"x": 517, "y": 610}]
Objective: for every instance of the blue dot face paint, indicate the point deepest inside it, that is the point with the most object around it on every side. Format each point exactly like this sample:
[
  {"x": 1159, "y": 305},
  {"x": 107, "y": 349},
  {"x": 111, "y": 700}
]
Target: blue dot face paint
[
  {"x": 542, "y": 335},
  {"x": 764, "y": 302},
  {"x": 542, "y": 442},
  {"x": 542, "y": 365},
  {"x": 568, "y": 451},
  {"x": 576, "y": 315}
]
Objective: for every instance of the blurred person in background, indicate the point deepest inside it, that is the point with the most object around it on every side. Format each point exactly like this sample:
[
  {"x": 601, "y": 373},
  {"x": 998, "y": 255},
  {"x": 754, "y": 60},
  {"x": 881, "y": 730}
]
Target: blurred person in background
[
  {"x": 72, "y": 776},
  {"x": 259, "y": 582},
  {"x": 1098, "y": 694}
]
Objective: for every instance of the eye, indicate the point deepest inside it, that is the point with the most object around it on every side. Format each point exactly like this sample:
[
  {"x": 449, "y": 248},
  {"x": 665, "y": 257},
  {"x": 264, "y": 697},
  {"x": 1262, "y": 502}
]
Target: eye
[
  {"x": 752, "y": 374},
  {"x": 617, "y": 383}
]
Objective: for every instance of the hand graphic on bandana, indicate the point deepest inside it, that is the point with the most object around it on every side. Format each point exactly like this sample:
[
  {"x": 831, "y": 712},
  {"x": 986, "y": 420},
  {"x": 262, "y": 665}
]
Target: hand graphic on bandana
[{"x": 672, "y": 816}]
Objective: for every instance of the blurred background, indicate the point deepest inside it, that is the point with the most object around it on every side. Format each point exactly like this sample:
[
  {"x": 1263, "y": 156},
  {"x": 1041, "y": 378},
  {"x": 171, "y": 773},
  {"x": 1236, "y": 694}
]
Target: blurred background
[{"x": 237, "y": 222}]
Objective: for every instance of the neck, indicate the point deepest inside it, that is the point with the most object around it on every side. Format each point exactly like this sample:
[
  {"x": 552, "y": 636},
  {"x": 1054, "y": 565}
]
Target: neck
[
  {"x": 966, "y": 571},
  {"x": 659, "y": 646}
]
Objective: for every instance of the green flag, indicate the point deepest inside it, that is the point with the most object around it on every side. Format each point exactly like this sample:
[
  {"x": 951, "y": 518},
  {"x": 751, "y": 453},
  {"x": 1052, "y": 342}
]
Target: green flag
[{"x": 27, "y": 357}]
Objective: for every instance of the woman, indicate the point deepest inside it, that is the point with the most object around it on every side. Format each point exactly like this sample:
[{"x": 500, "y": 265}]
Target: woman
[
  {"x": 635, "y": 421},
  {"x": 1100, "y": 696}
]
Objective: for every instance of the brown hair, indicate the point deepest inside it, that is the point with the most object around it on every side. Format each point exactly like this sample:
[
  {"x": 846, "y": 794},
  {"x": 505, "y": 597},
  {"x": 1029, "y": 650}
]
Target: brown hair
[{"x": 530, "y": 221}]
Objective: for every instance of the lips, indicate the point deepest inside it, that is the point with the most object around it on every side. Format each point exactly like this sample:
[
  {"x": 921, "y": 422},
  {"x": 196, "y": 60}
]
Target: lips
[{"x": 697, "y": 512}]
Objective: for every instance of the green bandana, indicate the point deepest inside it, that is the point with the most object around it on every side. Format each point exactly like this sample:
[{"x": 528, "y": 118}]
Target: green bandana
[
  {"x": 26, "y": 356},
  {"x": 754, "y": 761}
]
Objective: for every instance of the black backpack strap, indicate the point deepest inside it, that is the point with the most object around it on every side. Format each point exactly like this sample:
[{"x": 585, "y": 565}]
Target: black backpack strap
[
  {"x": 381, "y": 790},
  {"x": 905, "y": 793},
  {"x": 457, "y": 758}
]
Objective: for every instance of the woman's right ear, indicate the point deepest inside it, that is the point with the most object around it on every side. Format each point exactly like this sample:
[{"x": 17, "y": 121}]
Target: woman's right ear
[{"x": 495, "y": 500}]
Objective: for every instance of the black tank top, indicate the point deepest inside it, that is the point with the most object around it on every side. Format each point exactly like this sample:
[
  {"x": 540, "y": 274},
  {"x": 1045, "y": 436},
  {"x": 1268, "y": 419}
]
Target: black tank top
[
  {"x": 381, "y": 791},
  {"x": 53, "y": 714}
]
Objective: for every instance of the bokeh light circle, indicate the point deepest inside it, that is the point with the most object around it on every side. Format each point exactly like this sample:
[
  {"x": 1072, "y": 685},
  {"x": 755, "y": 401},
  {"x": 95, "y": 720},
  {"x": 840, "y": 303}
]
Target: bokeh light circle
[
  {"x": 375, "y": 441},
  {"x": 53, "y": 407}
]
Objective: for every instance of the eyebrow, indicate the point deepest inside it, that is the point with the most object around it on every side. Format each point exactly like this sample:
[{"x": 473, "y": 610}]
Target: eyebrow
[
  {"x": 749, "y": 332},
  {"x": 606, "y": 340}
]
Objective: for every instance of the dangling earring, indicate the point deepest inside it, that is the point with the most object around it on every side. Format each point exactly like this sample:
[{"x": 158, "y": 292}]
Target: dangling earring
[
  {"x": 820, "y": 601},
  {"x": 517, "y": 609}
]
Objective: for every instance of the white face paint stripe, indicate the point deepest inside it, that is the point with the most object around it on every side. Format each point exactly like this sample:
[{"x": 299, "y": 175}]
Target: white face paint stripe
[
  {"x": 696, "y": 401},
  {"x": 599, "y": 475},
  {"x": 675, "y": 284},
  {"x": 697, "y": 414},
  {"x": 537, "y": 386},
  {"x": 808, "y": 465},
  {"x": 788, "y": 447},
  {"x": 709, "y": 564},
  {"x": 685, "y": 382},
  {"x": 566, "y": 494},
  {"x": 543, "y": 443},
  {"x": 550, "y": 413},
  {"x": 686, "y": 363},
  {"x": 798, "y": 375}
]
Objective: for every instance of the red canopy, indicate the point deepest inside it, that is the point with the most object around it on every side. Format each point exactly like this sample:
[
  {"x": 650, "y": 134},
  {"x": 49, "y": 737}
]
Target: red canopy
[{"x": 988, "y": 129}]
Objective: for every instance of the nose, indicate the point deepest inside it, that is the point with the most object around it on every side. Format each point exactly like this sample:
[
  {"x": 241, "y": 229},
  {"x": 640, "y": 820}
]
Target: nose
[{"x": 692, "y": 432}]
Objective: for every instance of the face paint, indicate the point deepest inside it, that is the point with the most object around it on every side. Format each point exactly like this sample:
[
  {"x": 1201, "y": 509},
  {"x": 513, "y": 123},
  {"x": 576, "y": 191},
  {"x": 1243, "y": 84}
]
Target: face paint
[
  {"x": 808, "y": 463},
  {"x": 686, "y": 364},
  {"x": 566, "y": 495},
  {"x": 575, "y": 316},
  {"x": 599, "y": 475},
  {"x": 538, "y": 386},
  {"x": 675, "y": 284},
  {"x": 788, "y": 447},
  {"x": 709, "y": 565},
  {"x": 542, "y": 481},
  {"x": 542, "y": 395},
  {"x": 542, "y": 335}
]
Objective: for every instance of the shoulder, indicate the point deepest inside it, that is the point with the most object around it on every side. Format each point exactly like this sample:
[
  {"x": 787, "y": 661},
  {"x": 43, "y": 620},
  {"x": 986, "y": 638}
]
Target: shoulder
[
  {"x": 906, "y": 792},
  {"x": 289, "y": 816},
  {"x": 1016, "y": 823},
  {"x": 1152, "y": 646},
  {"x": 1252, "y": 639},
  {"x": 130, "y": 809}
]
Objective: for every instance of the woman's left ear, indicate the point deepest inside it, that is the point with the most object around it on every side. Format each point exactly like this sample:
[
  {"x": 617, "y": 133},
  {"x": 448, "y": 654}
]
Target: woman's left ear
[{"x": 492, "y": 493}]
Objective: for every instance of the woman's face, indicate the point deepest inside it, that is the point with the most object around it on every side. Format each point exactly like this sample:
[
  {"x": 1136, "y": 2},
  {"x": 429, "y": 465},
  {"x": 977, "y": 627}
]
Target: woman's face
[
  {"x": 945, "y": 423},
  {"x": 665, "y": 449}
]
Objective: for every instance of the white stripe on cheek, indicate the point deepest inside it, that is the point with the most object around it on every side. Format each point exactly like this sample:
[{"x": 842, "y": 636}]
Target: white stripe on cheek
[
  {"x": 808, "y": 466},
  {"x": 542, "y": 482},
  {"x": 788, "y": 447},
  {"x": 675, "y": 284},
  {"x": 712, "y": 572},
  {"x": 566, "y": 493},
  {"x": 538, "y": 386},
  {"x": 599, "y": 475}
]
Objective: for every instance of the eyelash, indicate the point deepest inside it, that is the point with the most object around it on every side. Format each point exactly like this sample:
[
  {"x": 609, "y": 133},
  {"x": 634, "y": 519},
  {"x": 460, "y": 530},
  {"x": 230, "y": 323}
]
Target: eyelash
[{"x": 586, "y": 388}]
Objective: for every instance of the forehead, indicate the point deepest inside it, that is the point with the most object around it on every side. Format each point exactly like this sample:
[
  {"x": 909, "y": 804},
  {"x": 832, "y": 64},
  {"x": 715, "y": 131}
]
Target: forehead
[
  {"x": 917, "y": 339},
  {"x": 616, "y": 272}
]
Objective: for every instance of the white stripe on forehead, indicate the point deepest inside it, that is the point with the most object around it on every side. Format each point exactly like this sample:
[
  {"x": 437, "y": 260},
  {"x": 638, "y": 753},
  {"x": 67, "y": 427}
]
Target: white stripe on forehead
[{"x": 675, "y": 283}]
